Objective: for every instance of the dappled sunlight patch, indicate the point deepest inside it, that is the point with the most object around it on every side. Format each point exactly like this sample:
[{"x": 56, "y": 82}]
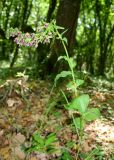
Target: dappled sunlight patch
[{"x": 101, "y": 132}]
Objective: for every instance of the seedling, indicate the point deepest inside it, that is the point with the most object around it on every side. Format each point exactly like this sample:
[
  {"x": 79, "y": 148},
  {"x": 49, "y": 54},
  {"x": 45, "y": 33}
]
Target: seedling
[{"x": 42, "y": 144}]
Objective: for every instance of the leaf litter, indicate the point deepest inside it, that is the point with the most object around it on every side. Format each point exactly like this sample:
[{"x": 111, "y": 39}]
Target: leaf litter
[{"x": 22, "y": 108}]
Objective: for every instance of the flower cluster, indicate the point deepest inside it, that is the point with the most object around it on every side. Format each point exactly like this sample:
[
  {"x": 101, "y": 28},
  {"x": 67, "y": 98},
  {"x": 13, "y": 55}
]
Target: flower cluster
[{"x": 43, "y": 35}]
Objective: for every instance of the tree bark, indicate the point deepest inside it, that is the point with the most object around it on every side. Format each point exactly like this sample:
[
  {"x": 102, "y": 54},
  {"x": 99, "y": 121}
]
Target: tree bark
[
  {"x": 67, "y": 17},
  {"x": 52, "y": 6}
]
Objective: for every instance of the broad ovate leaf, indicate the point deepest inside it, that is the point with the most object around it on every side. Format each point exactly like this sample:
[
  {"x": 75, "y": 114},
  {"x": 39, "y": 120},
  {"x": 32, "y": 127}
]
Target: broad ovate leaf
[
  {"x": 63, "y": 74},
  {"x": 80, "y": 103},
  {"x": 92, "y": 114}
]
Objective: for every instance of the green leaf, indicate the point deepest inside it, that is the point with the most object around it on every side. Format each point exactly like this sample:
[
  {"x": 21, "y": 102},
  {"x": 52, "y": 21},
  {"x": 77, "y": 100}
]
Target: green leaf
[
  {"x": 66, "y": 155},
  {"x": 71, "y": 85},
  {"x": 79, "y": 82},
  {"x": 79, "y": 103},
  {"x": 64, "y": 32},
  {"x": 51, "y": 150},
  {"x": 31, "y": 149},
  {"x": 70, "y": 144},
  {"x": 79, "y": 123},
  {"x": 58, "y": 27},
  {"x": 38, "y": 139},
  {"x": 72, "y": 62},
  {"x": 92, "y": 114},
  {"x": 50, "y": 139},
  {"x": 63, "y": 74},
  {"x": 62, "y": 57},
  {"x": 65, "y": 40}
]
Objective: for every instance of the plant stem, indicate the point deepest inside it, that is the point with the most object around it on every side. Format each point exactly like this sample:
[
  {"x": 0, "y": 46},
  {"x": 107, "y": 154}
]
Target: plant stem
[
  {"x": 77, "y": 132},
  {"x": 68, "y": 58}
]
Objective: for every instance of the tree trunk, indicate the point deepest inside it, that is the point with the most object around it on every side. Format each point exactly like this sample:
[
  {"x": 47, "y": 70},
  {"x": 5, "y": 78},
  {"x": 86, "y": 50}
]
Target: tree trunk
[
  {"x": 67, "y": 17},
  {"x": 51, "y": 9}
]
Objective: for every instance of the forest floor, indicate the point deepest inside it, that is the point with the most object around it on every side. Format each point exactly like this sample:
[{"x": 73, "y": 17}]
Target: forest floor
[{"x": 24, "y": 109}]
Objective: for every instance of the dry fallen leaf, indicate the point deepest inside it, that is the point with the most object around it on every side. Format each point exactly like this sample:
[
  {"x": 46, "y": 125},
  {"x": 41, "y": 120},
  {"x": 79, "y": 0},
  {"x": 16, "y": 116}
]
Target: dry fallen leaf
[
  {"x": 1, "y": 133},
  {"x": 10, "y": 102},
  {"x": 34, "y": 158},
  {"x": 86, "y": 147},
  {"x": 4, "y": 152},
  {"x": 18, "y": 139},
  {"x": 19, "y": 153}
]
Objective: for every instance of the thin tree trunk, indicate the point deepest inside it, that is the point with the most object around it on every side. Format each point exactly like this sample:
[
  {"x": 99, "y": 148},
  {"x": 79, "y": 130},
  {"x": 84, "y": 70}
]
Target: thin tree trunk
[
  {"x": 15, "y": 56},
  {"x": 26, "y": 13}
]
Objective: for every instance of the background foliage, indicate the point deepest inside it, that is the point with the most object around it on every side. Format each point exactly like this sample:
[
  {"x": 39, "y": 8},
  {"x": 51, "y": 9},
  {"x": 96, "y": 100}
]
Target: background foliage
[{"x": 93, "y": 44}]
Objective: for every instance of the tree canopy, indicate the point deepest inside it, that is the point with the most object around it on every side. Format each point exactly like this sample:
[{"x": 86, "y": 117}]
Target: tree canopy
[{"x": 88, "y": 25}]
